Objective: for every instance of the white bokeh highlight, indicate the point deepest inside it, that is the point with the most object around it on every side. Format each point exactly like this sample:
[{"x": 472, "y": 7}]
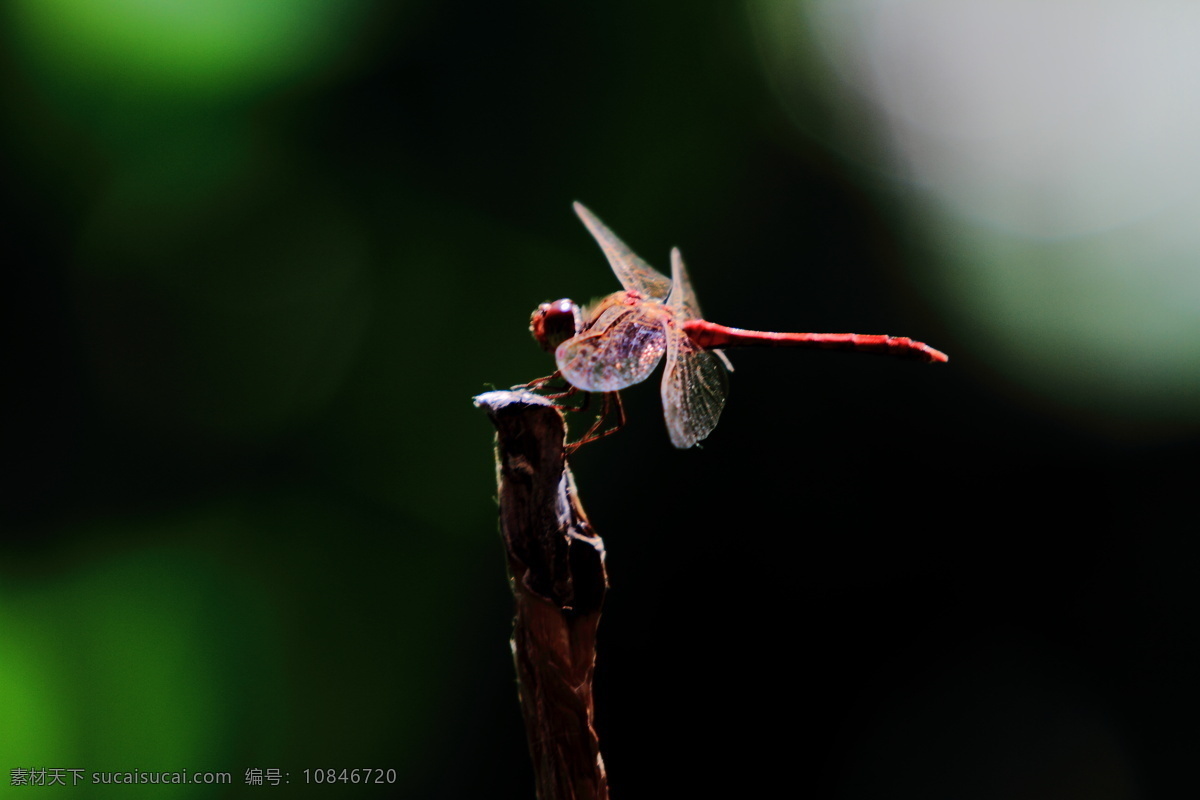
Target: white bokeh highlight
[{"x": 1050, "y": 151}]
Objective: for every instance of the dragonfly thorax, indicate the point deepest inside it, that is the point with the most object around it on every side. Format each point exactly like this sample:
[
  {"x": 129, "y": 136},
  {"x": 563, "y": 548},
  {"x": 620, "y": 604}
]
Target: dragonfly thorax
[{"x": 554, "y": 323}]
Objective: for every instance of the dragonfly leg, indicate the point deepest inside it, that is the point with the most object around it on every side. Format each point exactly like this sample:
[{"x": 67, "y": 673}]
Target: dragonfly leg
[
  {"x": 620, "y": 412},
  {"x": 594, "y": 433},
  {"x": 539, "y": 384},
  {"x": 570, "y": 391}
]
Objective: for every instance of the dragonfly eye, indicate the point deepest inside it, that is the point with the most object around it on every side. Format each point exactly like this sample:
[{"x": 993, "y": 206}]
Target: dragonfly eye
[{"x": 554, "y": 323}]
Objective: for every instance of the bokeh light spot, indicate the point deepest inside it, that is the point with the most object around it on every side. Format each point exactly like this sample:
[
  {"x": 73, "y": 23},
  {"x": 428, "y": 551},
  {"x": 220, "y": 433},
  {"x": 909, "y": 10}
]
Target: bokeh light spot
[
  {"x": 1048, "y": 151},
  {"x": 198, "y": 46},
  {"x": 35, "y": 727}
]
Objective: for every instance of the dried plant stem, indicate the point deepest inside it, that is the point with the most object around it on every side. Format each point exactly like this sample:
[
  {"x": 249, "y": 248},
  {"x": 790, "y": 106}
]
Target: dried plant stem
[{"x": 556, "y": 570}]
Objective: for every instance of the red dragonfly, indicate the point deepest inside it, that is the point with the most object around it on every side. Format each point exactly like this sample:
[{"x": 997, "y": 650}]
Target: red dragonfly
[{"x": 620, "y": 340}]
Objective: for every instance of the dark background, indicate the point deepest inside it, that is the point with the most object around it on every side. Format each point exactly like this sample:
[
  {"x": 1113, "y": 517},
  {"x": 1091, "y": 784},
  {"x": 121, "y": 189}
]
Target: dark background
[{"x": 249, "y": 516}]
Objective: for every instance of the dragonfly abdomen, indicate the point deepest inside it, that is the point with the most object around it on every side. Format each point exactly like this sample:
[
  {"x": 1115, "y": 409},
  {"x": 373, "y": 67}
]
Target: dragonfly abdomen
[{"x": 710, "y": 335}]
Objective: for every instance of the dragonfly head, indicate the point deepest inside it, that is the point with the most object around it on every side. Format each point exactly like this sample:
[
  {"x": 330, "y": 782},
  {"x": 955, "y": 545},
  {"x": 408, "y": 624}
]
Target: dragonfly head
[{"x": 554, "y": 323}]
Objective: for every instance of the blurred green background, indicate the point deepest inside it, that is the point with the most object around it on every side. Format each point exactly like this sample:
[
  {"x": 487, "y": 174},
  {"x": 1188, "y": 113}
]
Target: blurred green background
[{"x": 260, "y": 256}]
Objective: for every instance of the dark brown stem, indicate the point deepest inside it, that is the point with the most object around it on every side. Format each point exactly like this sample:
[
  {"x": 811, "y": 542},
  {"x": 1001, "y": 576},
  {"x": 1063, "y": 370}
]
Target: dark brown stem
[{"x": 556, "y": 570}]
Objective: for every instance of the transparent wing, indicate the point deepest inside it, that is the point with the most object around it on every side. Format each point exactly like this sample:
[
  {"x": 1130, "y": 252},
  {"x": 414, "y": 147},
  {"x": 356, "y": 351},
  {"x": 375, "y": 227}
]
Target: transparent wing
[
  {"x": 693, "y": 390},
  {"x": 695, "y": 383},
  {"x": 683, "y": 297},
  {"x": 634, "y": 274},
  {"x": 621, "y": 348}
]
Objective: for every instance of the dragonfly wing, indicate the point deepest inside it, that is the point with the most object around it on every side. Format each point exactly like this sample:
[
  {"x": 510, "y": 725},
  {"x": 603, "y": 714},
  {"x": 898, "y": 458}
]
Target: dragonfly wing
[
  {"x": 683, "y": 297},
  {"x": 693, "y": 390},
  {"x": 635, "y": 275},
  {"x": 621, "y": 348},
  {"x": 695, "y": 383}
]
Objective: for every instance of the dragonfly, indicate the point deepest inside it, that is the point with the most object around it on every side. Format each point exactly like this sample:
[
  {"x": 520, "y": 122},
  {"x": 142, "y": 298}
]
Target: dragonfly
[{"x": 620, "y": 340}]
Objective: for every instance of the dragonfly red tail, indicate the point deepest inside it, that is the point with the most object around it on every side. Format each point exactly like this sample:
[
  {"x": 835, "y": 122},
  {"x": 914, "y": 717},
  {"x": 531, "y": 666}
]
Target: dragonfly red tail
[{"x": 710, "y": 335}]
